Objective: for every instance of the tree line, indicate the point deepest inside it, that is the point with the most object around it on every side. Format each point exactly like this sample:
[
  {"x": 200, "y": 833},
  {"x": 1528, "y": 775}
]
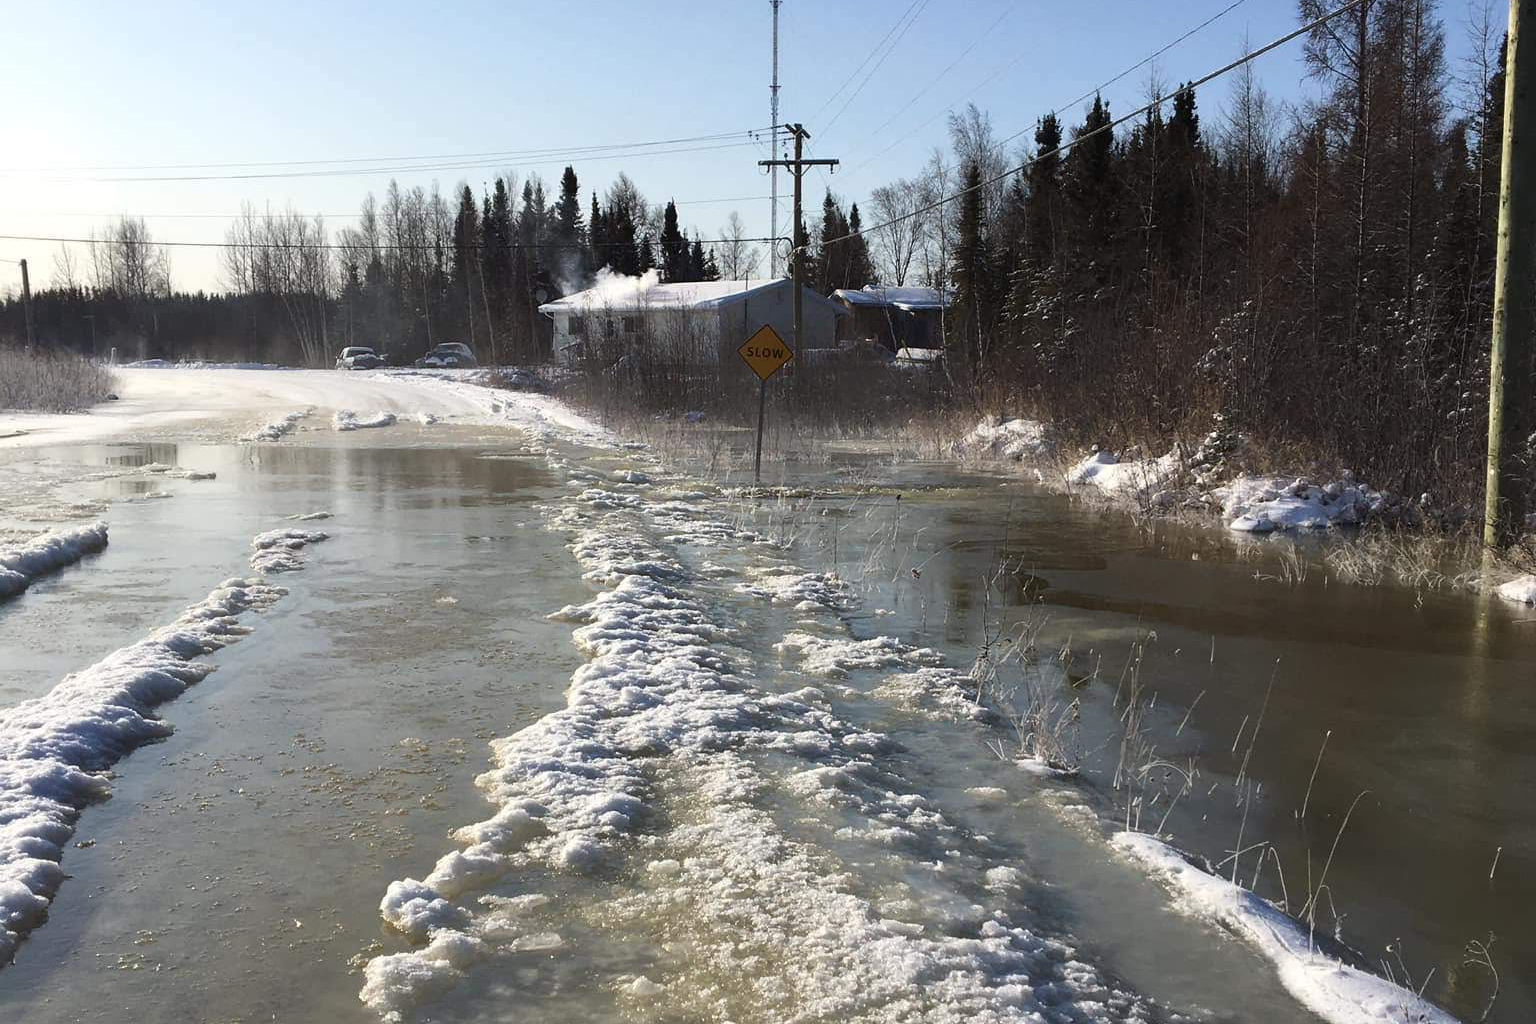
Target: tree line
[
  {"x": 1318, "y": 277},
  {"x": 418, "y": 268}
]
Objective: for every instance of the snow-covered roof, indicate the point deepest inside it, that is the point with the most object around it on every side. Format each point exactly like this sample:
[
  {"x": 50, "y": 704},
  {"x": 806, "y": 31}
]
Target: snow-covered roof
[
  {"x": 897, "y": 298},
  {"x": 630, "y": 294}
]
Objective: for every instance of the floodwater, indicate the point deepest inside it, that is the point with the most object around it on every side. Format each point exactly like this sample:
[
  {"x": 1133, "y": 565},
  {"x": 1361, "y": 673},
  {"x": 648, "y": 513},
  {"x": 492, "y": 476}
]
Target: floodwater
[{"x": 236, "y": 871}]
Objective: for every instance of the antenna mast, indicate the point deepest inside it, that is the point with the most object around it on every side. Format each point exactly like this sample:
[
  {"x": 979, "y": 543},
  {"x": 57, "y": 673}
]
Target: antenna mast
[{"x": 773, "y": 106}]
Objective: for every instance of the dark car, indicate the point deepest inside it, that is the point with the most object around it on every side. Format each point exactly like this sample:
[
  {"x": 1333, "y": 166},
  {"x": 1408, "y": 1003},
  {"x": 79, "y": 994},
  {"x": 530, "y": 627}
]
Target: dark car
[{"x": 448, "y": 355}]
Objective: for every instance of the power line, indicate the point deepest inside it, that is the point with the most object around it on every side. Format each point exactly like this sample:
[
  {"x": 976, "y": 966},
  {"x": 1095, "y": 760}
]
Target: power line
[
  {"x": 380, "y": 246},
  {"x": 1100, "y": 88},
  {"x": 889, "y": 50},
  {"x": 1063, "y": 107},
  {"x": 497, "y": 154},
  {"x": 940, "y": 76},
  {"x": 409, "y": 169},
  {"x": 338, "y": 215},
  {"x": 867, "y": 58},
  {"x": 1111, "y": 126}
]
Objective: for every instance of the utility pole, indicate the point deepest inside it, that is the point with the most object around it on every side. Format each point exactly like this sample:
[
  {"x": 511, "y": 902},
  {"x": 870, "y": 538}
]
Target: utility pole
[
  {"x": 1514, "y": 305},
  {"x": 26, "y": 302},
  {"x": 797, "y": 167},
  {"x": 773, "y": 133}
]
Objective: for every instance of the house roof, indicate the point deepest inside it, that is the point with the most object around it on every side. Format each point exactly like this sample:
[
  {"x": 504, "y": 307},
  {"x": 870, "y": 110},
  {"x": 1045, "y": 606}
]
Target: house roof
[
  {"x": 625, "y": 295},
  {"x": 872, "y": 296}
]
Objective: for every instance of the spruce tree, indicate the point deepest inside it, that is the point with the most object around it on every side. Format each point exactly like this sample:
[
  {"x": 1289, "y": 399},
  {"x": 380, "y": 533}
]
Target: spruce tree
[
  {"x": 570, "y": 260},
  {"x": 674, "y": 248},
  {"x": 860, "y": 268},
  {"x": 974, "y": 276}
]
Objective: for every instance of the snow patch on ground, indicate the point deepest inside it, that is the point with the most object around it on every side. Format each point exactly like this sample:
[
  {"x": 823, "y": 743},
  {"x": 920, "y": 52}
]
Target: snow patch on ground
[
  {"x": 1019, "y": 439},
  {"x": 55, "y": 749},
  {"x": 1333, "y": 990},
  {"x": 346, "y": 419},
  {"x": 1141, "y": 480},
  {"x": 1521, "y": 590},
  {"x": 936, "y": 692},
  {"x": 198, "y": 364},
  {"x": 280, "y": 550},
  {"x": 805, "y": 591},
  {"x": 836, "y": 657},
  {"x": 22, "y": 563},
  {"x": 278, "y": 428},
  {"x": 1252, "y": 504}
]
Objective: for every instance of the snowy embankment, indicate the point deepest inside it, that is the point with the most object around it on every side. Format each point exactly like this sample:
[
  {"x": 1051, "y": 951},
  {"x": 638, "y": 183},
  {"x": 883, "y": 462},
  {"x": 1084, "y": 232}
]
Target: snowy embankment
[
  {"x": 1198, "y": 479},
  {"x": 1334, "y": 991},
  {"x": 55, "y": 750},
  {"x": 22, "y": 563},
  {"x": 199, "y": 364}
]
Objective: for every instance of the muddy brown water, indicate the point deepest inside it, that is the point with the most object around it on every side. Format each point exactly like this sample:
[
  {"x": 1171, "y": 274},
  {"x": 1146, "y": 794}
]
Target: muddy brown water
[
  {"x": 1426, "y": 700},
  {"x": 236, "y": 871}
]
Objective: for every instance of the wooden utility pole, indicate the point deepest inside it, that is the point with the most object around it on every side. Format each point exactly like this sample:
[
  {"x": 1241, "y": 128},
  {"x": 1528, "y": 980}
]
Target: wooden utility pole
[
  {"x": 1514, "y": 304},
  {"x": 797, "y": 167},
  {"x": 26, "y": 302}
]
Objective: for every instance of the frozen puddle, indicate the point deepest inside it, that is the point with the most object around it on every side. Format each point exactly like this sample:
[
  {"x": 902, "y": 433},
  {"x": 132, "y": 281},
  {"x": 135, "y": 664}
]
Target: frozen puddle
[{"x": 657, "y": 784}]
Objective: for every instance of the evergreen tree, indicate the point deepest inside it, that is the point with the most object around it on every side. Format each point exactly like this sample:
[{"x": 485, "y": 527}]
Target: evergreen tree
[
  {"x": 860, "y": 268},
  {"x": 674, "y": 248},
  {"x": 570, "y": 260},
  {"x": 465, "y": 269},
  {"x": 598, "y": 236},
  {"x": 974, "y": 276}
]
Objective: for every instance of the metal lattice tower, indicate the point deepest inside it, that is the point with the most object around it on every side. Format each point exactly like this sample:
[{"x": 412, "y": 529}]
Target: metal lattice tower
[{"x": 773, "y": 107}]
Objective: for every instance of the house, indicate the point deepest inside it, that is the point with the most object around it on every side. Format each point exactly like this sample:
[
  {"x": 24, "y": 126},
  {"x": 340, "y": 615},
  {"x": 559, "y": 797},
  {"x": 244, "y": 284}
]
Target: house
[
  {"x": 895, "y": 318},
  {"x": 692, "y": 322}
]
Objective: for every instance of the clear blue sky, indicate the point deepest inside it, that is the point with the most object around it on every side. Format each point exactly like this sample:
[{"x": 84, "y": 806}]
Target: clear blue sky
[{"x": 180, "y": 82}]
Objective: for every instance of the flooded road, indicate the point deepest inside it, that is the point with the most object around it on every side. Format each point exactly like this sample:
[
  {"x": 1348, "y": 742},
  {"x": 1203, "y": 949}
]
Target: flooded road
[{"x": 796, "y": 823}]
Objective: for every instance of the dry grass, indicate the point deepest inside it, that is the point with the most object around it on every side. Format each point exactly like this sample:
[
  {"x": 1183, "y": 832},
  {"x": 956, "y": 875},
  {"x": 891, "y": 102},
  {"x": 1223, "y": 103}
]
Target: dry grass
[{"x": 37, "y": 380}]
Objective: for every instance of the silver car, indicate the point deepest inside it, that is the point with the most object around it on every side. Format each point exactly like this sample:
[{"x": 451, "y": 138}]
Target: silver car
[{"x": 357, "y": 357}]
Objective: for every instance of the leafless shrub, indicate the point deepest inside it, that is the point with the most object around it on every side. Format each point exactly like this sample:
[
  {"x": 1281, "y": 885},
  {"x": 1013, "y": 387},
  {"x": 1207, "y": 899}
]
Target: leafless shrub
[{"x": 43, "y": 381}]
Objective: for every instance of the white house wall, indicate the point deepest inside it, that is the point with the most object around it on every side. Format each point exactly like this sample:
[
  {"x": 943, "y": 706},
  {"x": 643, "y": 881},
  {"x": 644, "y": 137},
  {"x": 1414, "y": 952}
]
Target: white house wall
[{"x": 734, "y": 321}]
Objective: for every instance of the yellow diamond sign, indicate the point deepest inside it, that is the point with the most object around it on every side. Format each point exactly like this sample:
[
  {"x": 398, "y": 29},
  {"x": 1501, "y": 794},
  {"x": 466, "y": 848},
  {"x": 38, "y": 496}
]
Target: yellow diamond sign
[{"x": 765, "y": 352}]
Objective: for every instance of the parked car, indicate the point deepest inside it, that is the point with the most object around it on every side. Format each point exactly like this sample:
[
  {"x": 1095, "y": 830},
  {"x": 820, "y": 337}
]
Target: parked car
[
  {"x": 448, "y": 355},
  {"x": 358, "y": 357},
  {"x": 522, "y": 380}
]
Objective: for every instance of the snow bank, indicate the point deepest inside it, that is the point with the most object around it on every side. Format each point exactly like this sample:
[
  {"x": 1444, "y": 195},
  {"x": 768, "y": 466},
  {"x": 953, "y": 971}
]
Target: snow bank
[
  {"x": 1140, "y": 480},
  {"x": 1251, "y": 504},
  {"x": 1019, "y": 440},
  {"x": 1333, "y": 990},
  {"x": 54, "y": 749},
  {"x": 198, "y": 364},
  {"x": 1520, "y": 591},
  {"x": 22, "y": 563},
  {"x": 346, "y": 419},
  {"x": 278, "y": 428}
]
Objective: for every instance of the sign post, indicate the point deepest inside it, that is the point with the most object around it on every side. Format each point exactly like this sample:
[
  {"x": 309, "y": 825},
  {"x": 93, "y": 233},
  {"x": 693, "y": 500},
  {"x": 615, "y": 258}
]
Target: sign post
[{"x": 765, "y": 354}]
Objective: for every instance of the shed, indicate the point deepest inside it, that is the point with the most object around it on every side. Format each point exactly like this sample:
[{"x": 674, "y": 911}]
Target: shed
[
  {"x": 896, "y": 318},
  {"x": 695, "y": 322}
]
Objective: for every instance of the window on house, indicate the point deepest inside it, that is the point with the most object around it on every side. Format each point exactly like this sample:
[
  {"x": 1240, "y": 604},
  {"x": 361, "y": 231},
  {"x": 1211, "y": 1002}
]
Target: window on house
[{"x": 629, "y": 325}]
